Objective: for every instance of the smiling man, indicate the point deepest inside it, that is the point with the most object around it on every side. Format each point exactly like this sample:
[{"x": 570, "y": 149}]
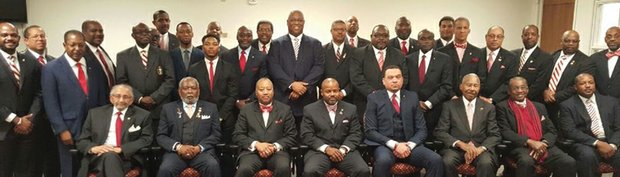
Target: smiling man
[
  {"x": 501, "y": 66},
  {"x": 264, "y": 32},
  {"x": 606, "y": 63}
]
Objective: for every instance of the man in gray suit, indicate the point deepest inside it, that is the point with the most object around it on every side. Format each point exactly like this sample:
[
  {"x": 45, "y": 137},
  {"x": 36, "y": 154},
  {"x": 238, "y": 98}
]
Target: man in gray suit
[
  {"x": 469, "y": 131},
  {"x": 112, "y": 134},
  {"x": 148, "y": 70}
]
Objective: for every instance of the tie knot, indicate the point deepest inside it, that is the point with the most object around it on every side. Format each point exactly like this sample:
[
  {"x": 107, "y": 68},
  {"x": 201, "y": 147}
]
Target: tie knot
[
  {"x": 142, "y": 51},
  {"x": 460, "y": 45},
  {"x": 564, "y": 57},
  {"x": 491, "y": 54},
  {"x": 266, "y": 108},
  {"x": 612, "y": 54},
  {"x": 185, "y": 51},
  {"x": 589, "y": 101},
  {"x": 211, "y": 62},
  {"x": 403, "y": 42},
  {"x": 189, "y": 106},
  {"x": 332, "y": 108},
  {"x": 394, "y": 96},
  {"x": 40, "y": 57},
  {"x": 423, "y": 56},
  {"x": 380, "y": 52},
  {"x": 243, "y": 52},
  {"x": 78, "y": 64}
]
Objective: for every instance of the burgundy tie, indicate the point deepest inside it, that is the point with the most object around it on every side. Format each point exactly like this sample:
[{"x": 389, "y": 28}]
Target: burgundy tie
[
  {"x": 264, "y": 49},
  {"x": 108, "y": 72},
  {"x": 403, "y": 48},
  {"x": 242, "y": 61},
  {"x": 119, "y": 128},
  {"x": 41, "y": 60},
  {"x": 82, "y": 78},
  {"x": 395, "y": 104},
  {"x": 422, "y": 70},
  {"x": 211, "y": 76},
  {"x": 266, "y": 108}
]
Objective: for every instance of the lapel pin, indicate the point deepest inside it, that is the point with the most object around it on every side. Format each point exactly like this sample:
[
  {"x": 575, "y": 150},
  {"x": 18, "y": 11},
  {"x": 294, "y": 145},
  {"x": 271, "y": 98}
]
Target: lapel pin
[
  {"x": 531, "y": 61},
  {"x": 199, "y": 111},
  {"x": 128, "y": 118},
  {"x": 481, "y": 108},
  {"x": 341, "y": 110},
  {"x": 572, "y": 62},
  {"x": 179, "y": 112}
]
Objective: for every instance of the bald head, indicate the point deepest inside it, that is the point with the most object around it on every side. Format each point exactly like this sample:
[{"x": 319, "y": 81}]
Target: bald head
[
  {"x": 612, "y": 38},
  {"x": 9, "y": 37},
  {"x": 295, "y": 23},
  {"x": 570, "y": 42}
]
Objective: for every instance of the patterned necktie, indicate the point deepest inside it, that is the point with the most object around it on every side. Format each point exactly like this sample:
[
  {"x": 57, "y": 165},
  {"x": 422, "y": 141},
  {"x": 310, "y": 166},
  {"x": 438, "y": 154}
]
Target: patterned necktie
[
  {"x": 523, "y": 59},
  {"x": 395, "y": 104},
  {"x": 15, "y": 70},
  {"x": 242, "y": 61},
  {"x": 338, "y": 55},
  {"x": 119, "y": 128},
  {"x": 145, "y": 58},
  {"x": 422, "y": 70},
  {"x": 296, "y": 47},
  {"x": 403, "y": 47},
  {"x": 557, "y": 72},
  {"x": 381, "y": 60},
  {"x": 596, "y": 124},
  {"x": 266, "y": 108},
  {"x": 82, "y": 78},
  {"x": 264, "y": 50}
]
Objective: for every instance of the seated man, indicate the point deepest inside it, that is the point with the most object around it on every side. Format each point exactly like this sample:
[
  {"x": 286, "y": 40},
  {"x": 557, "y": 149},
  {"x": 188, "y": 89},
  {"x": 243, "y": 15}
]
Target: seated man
[
  {"x": 395, "y": 122},
  {"x": 592, "y": 120},
  {"x": 189, "y": 129},
  {"x": 331, "y": 128},
  {"x": 468, "y": 129},
  {"x": 264, "y": 130},
  {"x": 112, "y": 134},
  {"x": 527, "y": 125}
]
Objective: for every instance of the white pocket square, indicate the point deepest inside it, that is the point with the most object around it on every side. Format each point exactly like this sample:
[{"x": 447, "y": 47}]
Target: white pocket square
[
  {"x": 205, "y": 116},
  {"x": 542, "y": 118},
  {"x": 345, "y": 121},
  {"x": 133, "y": 128}
]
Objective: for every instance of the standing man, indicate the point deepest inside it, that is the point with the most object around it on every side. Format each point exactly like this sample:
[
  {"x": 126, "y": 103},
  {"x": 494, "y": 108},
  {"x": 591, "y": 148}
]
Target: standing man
[
  {"x": 607, "y": 66},
  {"x": 296, "y": 64},
  {"x": 333, "y": 132},
  {"x": 264, "y": 31},
  {"x": 402, "y": 138},
  {"x": 430, "y": 76},
  {"x": 72, "y": 85},
  {"x": 112, "y": 134},
  {"x": 20, "y": 105},
  {"x": 469, "y": 132},
  {"x": 36, "y": 44},
  {"x": 466, "y": 57},
  {"x": 219, "y": 83},
  {"x": 264, "y": 132},
  {"x": 189, "y": 131},
  {"x": 592, "y": 120},
  {"x": 215, "y": 28},
  {"x": 532, "y": 59},
  {"x": 527, "y": 125},
  {"x": 501, "y": 66},
  {"x": 167, "y": 40},
  {"x": 148, "y": 70},
  {"x": 352, "y": 38},
  {"x": 184, "y": 56},
  {"x": 367, "y": 65},
  {"x": 446, "y": 31},
  {"x": 93, "y": 34},
  {"x": 338, "y": 59},
  {"x": 402, "y": 41}
]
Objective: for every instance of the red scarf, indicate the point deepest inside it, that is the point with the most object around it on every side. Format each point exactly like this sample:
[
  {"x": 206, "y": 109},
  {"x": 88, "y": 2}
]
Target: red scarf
[{"x": 528, "y": 121}]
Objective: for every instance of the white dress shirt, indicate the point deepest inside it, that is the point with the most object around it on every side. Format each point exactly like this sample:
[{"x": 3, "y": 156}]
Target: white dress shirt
[{"x": 111, "y": 139}]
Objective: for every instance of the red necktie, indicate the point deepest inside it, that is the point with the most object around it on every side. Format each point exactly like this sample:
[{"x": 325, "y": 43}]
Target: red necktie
[
  {"x": 264, "y": 49},
  {"x": 612, "y": 54},
  {"x": 41, "y": 60},
  {"x": 242, "y": 61},
  {"x": 211, "y": 76},
  {"x": 266, "y": 108},
  {"x": 82, "y": 78},
  {"x": 119, "y": 128},
  {"x": 403, "y": 48},
  {"x": 395, "y": 104},
  {"x": 108, "y": 72},
  {"x": 422, "y": 70},
  {"x": 162, "y": 42}
]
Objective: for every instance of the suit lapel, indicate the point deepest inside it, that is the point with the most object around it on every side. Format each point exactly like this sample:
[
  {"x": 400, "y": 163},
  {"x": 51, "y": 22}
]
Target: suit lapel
[
  {"x": 5, "y": 64},
  {"x": 272, "y": 115},
  {"x": 106, "y": 122},
  {"x": 152, "y": 57},
  {"x": 339, "y": 116},
  {"x": 462, "y": 113},
  {"x": 68, "y": 72},
  {"x": 581, "y": 109},
  {"x": 127, "y": 121},
  {"x": 478, "y": 112},
  {"x": 614, "y": 74}
]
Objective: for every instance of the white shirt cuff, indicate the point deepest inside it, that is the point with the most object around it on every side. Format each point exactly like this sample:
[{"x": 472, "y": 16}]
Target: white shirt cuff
[
  {"x": 253, "y": 146},
  {"x": 428, "y": 104},
  {"x": 411, "y": 145},
  {"x": 594, "y": 144},
  {"x": 10, "y": 118},
  {"x": 322, "y": 148},
  {"x": 391, "y": 144},
  {"x": 201, "y": 148},
  {"x": 174, "y": 146},
  {"x": 614, "y": 146},
  {"x": 140, "y": 99},
  {"x": 454, "y": 144},
  {"x": 278, "y": 147},
  {"x": 343, "y": 92}
]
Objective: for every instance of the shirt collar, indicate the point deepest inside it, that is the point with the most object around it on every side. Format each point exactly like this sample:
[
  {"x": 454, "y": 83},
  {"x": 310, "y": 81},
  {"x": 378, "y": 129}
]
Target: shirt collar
[
  {"x": 521, "y": 103},
  {"x": 427, "y": 54},
  {"x": 6, "y": 55},
  {"x": 72, "y": 62},
  {"x": 531, "y": 49},
  {"x": 92, "y": 48},
  {"x": 584, "y": 99},
  {"x": 293, "y": 37},
  {"x": 327, "y": 105},
  {"x": 391, "y": 93},
  {"x": 115, "y": 110},
  {"x": 466, "y": 102},
  {"x": 336, "y": 46},
  {"x": 377, "y": 50},
  {"x": 146, "y": 48},
  {"x": 400, "y": 41},
  {"x": 35, "y": 54},
  {"x": 495, "y": 52},
  {"x": 247, "y": 51},
  {"x": 214, "y": 60},
  {"x": 186, "y": 105},
  {"x": 567, "y": 56},
  {"x": 444, "y": 42}
]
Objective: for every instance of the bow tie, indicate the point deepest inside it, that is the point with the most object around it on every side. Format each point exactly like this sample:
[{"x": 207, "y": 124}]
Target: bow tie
[
  {"x": 612, "y": 54},
  {"x": 266, "y": 108},
  {"x": 332, "y": 108},
  {"x": 460, "y": 45}
]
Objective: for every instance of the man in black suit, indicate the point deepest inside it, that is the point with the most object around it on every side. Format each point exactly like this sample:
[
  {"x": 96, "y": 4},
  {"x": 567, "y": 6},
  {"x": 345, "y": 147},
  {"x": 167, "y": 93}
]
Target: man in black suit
[
  {"x": 592, "y": 120},
  {"x": 214, "y": 28},
  {"x": 189, "y": 130},
  {"x": 430, "y": 76},
  {"x": 167, "y": 40},
  {"x": 20, "y": 105},
  {"x": 532, "y": 59},
  {"x": 556, "y": 82},
  {"x": 185, "y": 55},
  {"x": 36, "y": 44},
  {"x": 527, "y": 125},
  {"x": 501, "y": 66},
  {"x": 402, "y": 41},
  {"x": 352, "y": 38},
  {"x": 333, "y": 132},
  {"x": 264, "y": 131},
  {"x": 367, "y": 64},
  {"x": 148, "y": 70},
  {"x": 466, "y": 57},
  {"x": 93, "y": 34},
  {"x": 296, "y": 63},
  {"x": 338, "y": 59},
  {"x": 607, "y": 66},
  {"x": 264, "y": 32},
  {"x": 112, "y": 134},
  {"x": 468, "y": 130},
  {"x": 446, "y": 31},
  {"x": 395, "y": 123}
]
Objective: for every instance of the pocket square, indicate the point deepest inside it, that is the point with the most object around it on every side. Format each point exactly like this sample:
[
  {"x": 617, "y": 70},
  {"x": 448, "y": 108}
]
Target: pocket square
[
  {"x": 279, "y": 121},
  {"x": 531, "y": 69},
  {"x": 502, "y": 67},
  {"x": 133, "y": 128},
  {"x": 205, "y": 117},
  {"x": 345, "y": 121},
  {"x": 542, "y": 118}
]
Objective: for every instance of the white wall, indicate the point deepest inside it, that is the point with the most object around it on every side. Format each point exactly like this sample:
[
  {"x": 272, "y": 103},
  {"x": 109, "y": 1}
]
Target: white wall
[
  {"x": 118, "y": 16},
  {"x": 583, "y": 22}
]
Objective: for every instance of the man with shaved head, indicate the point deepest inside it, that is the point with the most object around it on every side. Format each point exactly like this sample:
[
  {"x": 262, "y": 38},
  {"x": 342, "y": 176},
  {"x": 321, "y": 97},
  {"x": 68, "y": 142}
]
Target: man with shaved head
[
  {"x": 532, "y": 59},
  {"x": 501, "y": 66},
  {"x": 402, "y": 41},
  {"x": 606, "y": 63},
  {"x": 352, "y": 38}
]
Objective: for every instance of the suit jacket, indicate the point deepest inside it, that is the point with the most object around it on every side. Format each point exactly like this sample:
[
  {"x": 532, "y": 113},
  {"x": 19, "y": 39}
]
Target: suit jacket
[
  {"x": 580, "y": 63},
  {"x": 472, "y": 62},
  {"x": 92, "y": 55},
  {"x": 284, "y": 69},
  {"x": 18, "y": 100},
  {"x": 156, "y": 81},
  {"x": 173, "y": 41},
  {"x": 317, "y": 129},
  {"x": 207, "y": 132},
  {"x": 453, "y": 124},
  {"x": 65, "y": 103},
  {"x": 505, "y": 66},
  {"x": 339, "y": 70},
  {"x": 29, "y": 56},
  {"x": 438, "y": 44},
  {"x": 413, "y": 45},
  {"x": 255, "y": 45},
  {"x": 364, "y": 70},
  {"x": 255, "y": 68},
  {"x": 604, "y": 84},
  {"x": 379, "y": 118},
  {"x": 250, "y": 126},
  {"x": 96, "y": 128},
  {"x": 179, "y": 67},
  {"x": 575, "y": 121},
  {"x": 534, "y": 65},
  {"x": 509, "y": 129},
  {"x": 361, "y": 42},
  {"x": 437, "y": 86}
]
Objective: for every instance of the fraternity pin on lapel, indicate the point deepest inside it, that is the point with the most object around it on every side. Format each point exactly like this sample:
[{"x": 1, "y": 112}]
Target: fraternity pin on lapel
[
  {"x": 572, "y": 62},
  {"x": 179, "y": 112},
  {"x": 199, "y": 111},
  {"x": 341, "y": 110}
]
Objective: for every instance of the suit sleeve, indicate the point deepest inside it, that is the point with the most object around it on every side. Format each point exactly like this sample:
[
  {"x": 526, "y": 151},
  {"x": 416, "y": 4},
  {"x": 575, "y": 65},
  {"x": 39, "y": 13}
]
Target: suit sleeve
[
  {"x": 164, "y": 131},
  {"x": 420, "y": 126},
  {"x": 506, "y": 130},
  {"x": 492, "y": 134},
  {"x": 356, "y": 72},
  {"x": 288, "y": 140},
  {"x": 51, "y": 100},
  {"x": 240, "y": 135},
  {"x": 569, "y": 128},
  {"x": 443, "y": 126},
  {"x": 308, "y": 135},
  {"x": 84, "y": 142},
  {"x": 445, "y": 87},
  {"x": 371, "y": 124},
  {"x": 215, "y": 134},
  {"x": 354, "y": 136},
  {"x": 318, "y": 66},
  {"x": 168, "y": 84},
  {"x": 275, "y": 65},
  {"x": 146, "y": 137}
]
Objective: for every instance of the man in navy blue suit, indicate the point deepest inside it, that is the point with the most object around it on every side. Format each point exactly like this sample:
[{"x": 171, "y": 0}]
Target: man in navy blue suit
[
  {"x": 296, "y": 63},
  {"x": 402, "y": 138},
  {"x": 184, "y": 56},
  {"x": 71, "y": 86}
]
